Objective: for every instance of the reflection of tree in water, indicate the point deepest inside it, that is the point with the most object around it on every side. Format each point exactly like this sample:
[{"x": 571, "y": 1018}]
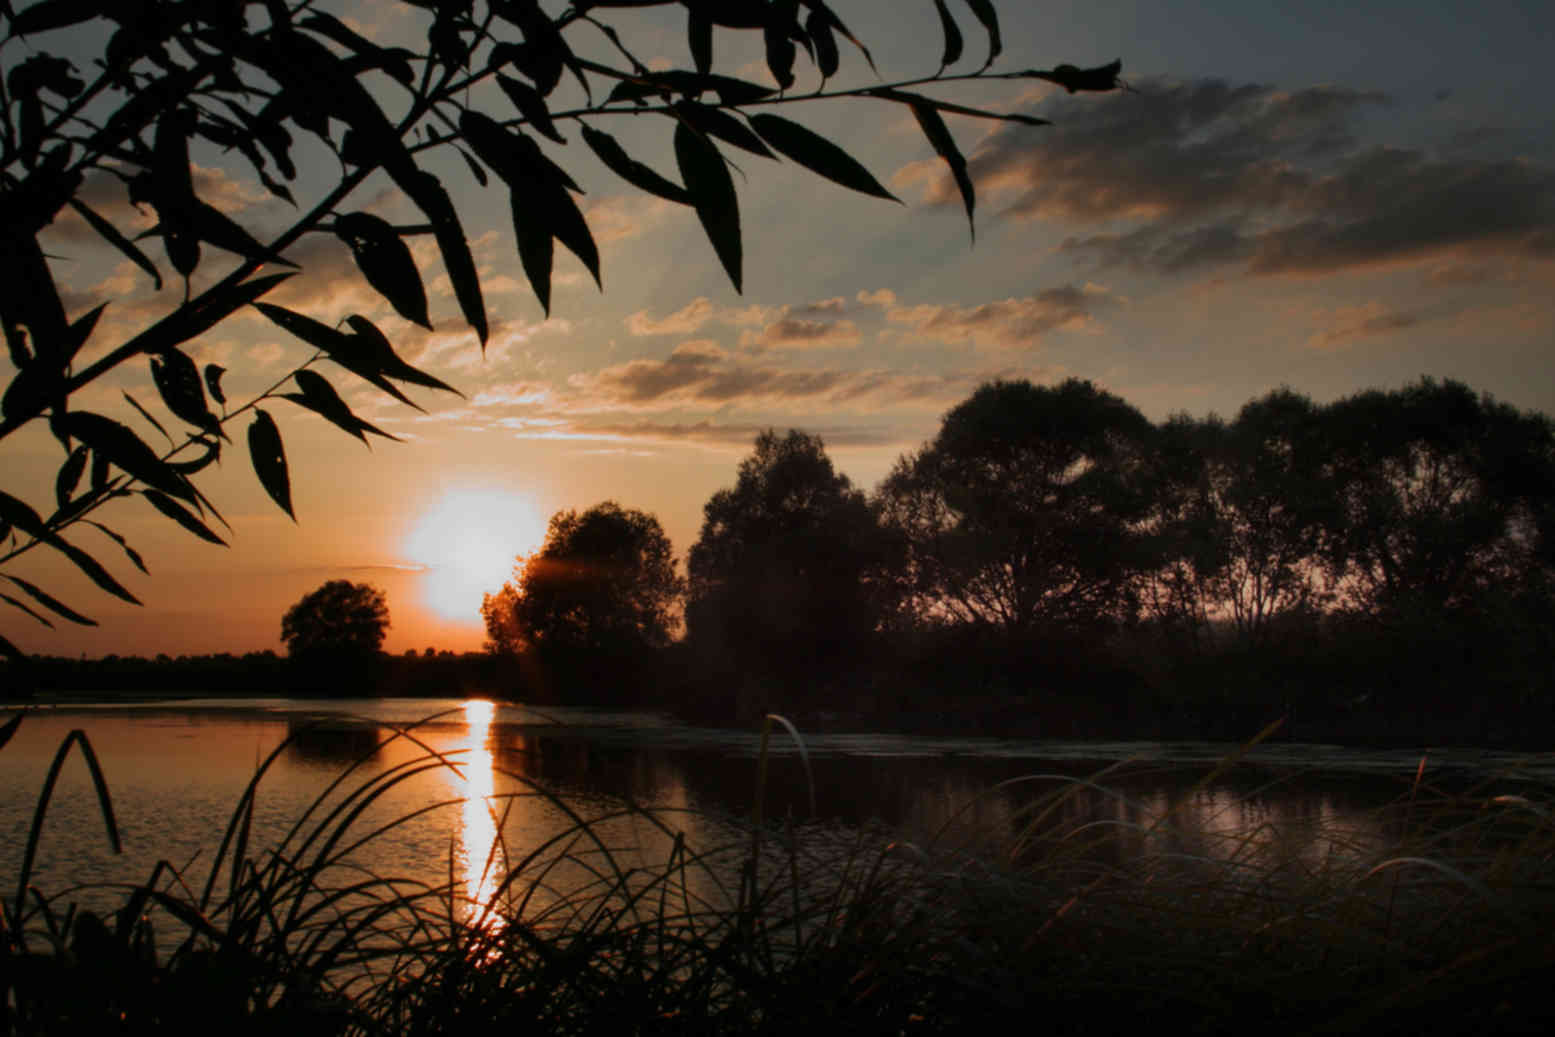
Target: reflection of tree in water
[{"x": 329, "y": 743}]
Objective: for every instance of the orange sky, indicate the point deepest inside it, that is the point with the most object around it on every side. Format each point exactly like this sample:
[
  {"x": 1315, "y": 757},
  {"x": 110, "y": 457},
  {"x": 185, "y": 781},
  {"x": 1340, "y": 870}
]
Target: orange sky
[{"x": 1283, "y": 201}]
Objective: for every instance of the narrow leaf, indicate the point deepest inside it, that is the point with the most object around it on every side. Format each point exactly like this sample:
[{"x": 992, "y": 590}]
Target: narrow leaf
[
  {"x": 178, "y": 381},
  {"x": 376, "y": 345},
  {"x": 27, "y": 609},
  {"x": 10, "y": 651},
  {"x": 51, "y": 603},
  {"x": 428, "y": 194},
  {"x": 986, "y": 14},
  {"x": 203, "y": 314},
  {"x": 535, "y": 248},
  {"x": 722, "y": 125},
  {"x": 147, "y": 415},
  {"x": 826, "y": 57},
  {"x": 344, "y": 349},
  {"x": 712, "y": 192},
  {"x": 111, "y": 234},
  {"x": 320, "y": 397},
  {"x": 530, "y": 105},
  {"x": 9, "y": 729},
  {"x": 629, "y": 169},
  {"x": 80, "y": 330},
  {"x": 70, "y": 475},
  {"x": 269, "y": 459},
  {"x": 952, "y": 32},
  {"x": 817, "y": 154},
  {"x": 181, "y": 515},
  {"x": 945, "y": 106},
  {"x": 385, "y": 260},
  {"x": 134, "y": 555},
  {"x": 213, "y": 373},
  {"x": 20, "y": 514},
  {"x": 126, "y": 450},
  {"x": 939, "y": 137},
  {"x": 699, "y": 36}
]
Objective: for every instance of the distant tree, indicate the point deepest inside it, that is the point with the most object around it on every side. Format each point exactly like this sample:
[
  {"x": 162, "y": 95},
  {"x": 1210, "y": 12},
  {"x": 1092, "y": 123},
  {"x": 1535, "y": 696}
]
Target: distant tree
[
  {"x": 1021, "y": 514},
  {"x": 1443, "y": 497},
  {"x": 339, "y": 624},
  {"x": 786, "y": 574},
  {"x": 603, "y": 584}
]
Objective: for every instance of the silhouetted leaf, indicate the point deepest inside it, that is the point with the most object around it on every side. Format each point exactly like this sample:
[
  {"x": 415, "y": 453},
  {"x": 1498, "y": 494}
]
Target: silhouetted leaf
[
  {"x": 530, "y": 105},
  {"x": 476, "y": 169},
  {"x": 204, "y": 313},
  {"x": 133, "y": 555},
  {"x": 817, "y": 154},
  {"x": 535, "y": 250},
  {"x": 375, "y": 345},
  {"x": 21, "y": 515},
  {"x": 819, "y": 9},
  {"x": 712, "y": 192},
  {"x": 9, "y": 729},
  {"x": 51, "y": 603},
  {"x": 111, "y": 234},
  {"x": 780, "y": 49},
  {"x": 1099, "y": 79},
  {"x": 826, "y": 57},
  {"x": 722, "y": 125},
  {"x": 952, "y": 32},
  {"x": 99, "y": 476},
  {"x": 386, "y": 262},
  {"x": 213, "y": 373},
  {"x": 393, "y": 61},
  {"x": 10, "y": 651},
  {"x": 212, "y": 453},
  {"x": 699, "y": 36},
  {"x": 428, "y": 194},
  {"x": 133, "y": 402},
  {"x": 905, "y": 97},
  {"x": 27, "y": 609},
  {"x": 939, "y": 137},
  {"x": 344, "y": 349},
  {"x": 320, "y": 397},
  {"x": 69, "y": 475},
  {"x": 985, "y": 13},
  {"x": 269, "y": 459},
  {"x": 30, "y": 298},
  {"x": 80, "y": 330},
  {"x": 124, "y": 448},
  {"x": 55, "y": 14},
  {"x": 178, "y": 381},
  {"x": 181, "y": 515},
  {"x": 211, "y": 225},
  {"x": 629, "y": 169}
]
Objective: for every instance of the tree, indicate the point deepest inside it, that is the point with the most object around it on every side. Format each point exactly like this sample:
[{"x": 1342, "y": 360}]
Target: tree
[
  {"x": 786, "y": 573},
  {"x": 1020, "y": 514},
  {"x": 279, "y": 87},
  {"x": 1443, "y": 497},
  {"x": 339, "y": 624},
  {"x": 603, "y": 584}
]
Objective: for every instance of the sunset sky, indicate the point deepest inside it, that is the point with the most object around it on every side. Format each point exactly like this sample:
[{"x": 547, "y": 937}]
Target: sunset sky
[{"x": 1329, "y": 196}]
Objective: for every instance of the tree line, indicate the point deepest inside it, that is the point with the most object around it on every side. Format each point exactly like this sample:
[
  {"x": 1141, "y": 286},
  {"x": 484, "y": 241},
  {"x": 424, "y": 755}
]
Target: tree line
[{"x": 1051, "y": 544}]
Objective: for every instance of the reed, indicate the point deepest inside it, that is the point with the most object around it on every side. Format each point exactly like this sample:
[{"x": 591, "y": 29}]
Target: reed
[{"x": 1089, "y": 925}]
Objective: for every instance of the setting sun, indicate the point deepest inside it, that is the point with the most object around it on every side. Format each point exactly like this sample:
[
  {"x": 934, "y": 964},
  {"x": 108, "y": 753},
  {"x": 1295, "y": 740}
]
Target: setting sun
[{"x": 468, "y": 542}]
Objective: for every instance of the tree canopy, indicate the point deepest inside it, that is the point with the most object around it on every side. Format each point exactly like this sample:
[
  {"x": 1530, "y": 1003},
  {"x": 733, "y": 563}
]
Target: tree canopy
[
  {"x": 789, "y": 561},
  {"x": 279, "y": 88},
  {"x": 1019, "y": 514},
  {"x": 340, "y": 622},
  {"x": 604, "y": 582}
]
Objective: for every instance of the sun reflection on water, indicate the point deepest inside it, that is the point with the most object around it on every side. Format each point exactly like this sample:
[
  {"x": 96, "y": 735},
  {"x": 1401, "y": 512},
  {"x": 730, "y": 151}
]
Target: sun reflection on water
[{"x": 480, "y": 851}]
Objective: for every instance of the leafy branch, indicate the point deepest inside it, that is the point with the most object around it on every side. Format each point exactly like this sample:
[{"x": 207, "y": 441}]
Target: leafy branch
[{"x": 249, "y": 78}]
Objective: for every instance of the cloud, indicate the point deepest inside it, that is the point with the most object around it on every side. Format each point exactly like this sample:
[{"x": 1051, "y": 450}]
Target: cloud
[
  {"x": 799, "y": 333},
  {"x": 883, "y": 297},
  {"x": 700, "y": 373},
  {"x": 1348, "y": 324},
  {"x": 684, "y": 321},
  {"x": 1184, "y": 176},
  {"x": 1009, "y": 323}
]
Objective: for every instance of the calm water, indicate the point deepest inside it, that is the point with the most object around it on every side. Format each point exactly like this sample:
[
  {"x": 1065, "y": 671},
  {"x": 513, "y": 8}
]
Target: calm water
[{"x": 178, "y": 769}]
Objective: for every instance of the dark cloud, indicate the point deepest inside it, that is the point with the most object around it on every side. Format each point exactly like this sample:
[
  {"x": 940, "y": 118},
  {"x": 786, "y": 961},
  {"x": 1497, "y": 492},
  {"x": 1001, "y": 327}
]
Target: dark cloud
[
  {"x": 1015, "y": 323},
  {"x": 733, "y": 435},
  {"x": 1201, "y": 174}
]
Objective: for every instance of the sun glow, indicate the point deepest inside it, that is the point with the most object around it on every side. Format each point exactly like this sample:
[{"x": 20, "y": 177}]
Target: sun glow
[{"x": 468, "y": 542}]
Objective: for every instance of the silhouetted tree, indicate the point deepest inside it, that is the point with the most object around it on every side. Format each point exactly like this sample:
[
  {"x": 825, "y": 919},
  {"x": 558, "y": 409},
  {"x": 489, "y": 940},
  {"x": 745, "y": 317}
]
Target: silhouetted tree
[
  {"x": 1021, "y": 514},
  {"x": 603, "y": 584},
  {"x": 1443, "y": 497},
  {"x": 339, "y": 627},
  {"x": 499, "y": 612},
  {"x": 785, "y": 576}
]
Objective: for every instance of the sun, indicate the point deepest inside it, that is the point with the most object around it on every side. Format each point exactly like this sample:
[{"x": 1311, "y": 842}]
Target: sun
[{"x": 467, "y": 542}]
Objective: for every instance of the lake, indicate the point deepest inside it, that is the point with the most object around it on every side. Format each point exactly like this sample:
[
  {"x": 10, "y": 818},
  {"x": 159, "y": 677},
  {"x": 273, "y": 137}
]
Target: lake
[{"x": 506, "y": 786}]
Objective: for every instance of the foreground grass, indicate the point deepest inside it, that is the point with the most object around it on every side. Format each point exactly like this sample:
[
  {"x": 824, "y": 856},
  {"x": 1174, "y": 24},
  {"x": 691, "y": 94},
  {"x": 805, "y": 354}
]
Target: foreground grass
[{"x": 1074, "y": 924}]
